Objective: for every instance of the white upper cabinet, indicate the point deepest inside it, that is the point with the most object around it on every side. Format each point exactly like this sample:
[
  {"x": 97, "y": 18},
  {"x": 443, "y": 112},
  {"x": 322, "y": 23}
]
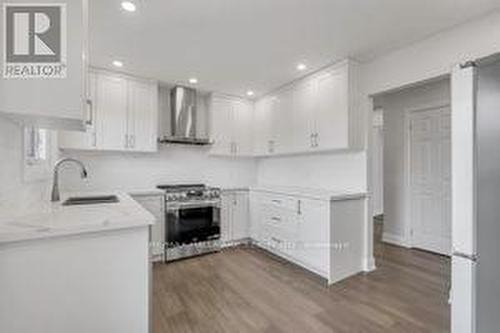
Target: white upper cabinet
[
  {"x": 46, "y": 82},
  {"x": 316, "y": 113},
  {"x": 142, "y": 127},
  {"x": 332, "y": 110},
  {"x": 231, "y": 126},
  {"x": 124, "y": 115},
  {"x": 221, "y": 109},
  {"x": 262, "y": 127},
  {"x": 111, "y": 106}
]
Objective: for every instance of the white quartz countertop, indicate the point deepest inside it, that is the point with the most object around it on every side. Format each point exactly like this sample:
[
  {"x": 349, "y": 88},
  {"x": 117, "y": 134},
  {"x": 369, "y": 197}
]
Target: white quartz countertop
[
  {"x": 45, "y": 219},
  {"x": 312, "y": 193}
]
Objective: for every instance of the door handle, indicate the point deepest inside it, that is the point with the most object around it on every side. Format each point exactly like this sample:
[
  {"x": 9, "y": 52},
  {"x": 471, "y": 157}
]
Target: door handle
[{"x": 90, "y": 110}]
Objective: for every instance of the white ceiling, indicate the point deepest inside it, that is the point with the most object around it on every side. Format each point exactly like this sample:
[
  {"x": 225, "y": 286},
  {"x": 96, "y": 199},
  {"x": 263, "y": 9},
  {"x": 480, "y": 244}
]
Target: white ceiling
[{"x": 235, "y": 45}]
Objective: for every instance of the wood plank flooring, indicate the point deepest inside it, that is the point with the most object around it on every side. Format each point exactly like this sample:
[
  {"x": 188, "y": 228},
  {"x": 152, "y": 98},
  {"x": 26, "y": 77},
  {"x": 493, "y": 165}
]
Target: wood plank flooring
[{"x": 248, "y": 290}]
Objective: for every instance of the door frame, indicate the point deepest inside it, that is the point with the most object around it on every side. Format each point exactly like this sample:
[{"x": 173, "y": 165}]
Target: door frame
[{"x": 408, "y": 223}]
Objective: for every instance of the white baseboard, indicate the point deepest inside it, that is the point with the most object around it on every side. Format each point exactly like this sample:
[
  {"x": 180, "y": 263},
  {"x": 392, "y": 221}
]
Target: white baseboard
[
  {"x": 394, "y": 239},
  {"x": 369, "y": 264}
]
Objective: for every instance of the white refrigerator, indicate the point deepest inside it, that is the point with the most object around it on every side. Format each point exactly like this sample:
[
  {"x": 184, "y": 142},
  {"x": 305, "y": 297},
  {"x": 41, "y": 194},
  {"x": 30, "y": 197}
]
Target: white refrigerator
[{"x": 475, "y": 290}]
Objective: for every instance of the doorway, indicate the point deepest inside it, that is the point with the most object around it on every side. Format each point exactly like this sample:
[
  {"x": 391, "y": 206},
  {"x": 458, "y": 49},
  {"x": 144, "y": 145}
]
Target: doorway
[{"x": 416, "y": 163}]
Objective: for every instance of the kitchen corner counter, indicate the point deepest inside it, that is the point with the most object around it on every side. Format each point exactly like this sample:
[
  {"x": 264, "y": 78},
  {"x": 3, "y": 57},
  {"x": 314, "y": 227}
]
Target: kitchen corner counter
[
  {"x": 46, "y": 220},
  {"x": 311, "y": 193}
]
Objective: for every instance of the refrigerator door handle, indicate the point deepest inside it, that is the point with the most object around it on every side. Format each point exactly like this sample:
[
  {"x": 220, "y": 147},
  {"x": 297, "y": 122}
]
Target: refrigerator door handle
[{"x": 471, "y": 257}]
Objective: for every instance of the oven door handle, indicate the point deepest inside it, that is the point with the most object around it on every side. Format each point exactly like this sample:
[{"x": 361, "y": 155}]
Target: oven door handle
[{"x": 197, "y": 204}]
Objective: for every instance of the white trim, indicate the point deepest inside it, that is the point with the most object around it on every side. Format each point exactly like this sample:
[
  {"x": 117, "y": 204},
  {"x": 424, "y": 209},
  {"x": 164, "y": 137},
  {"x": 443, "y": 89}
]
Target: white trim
[
  {"x": 369, "y": 264},
  {"x": 399, "y": 240}
]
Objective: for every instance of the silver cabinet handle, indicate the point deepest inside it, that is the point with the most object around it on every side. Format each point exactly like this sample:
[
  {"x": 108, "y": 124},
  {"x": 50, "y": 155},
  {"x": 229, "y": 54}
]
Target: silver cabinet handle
[
  {"x": 90, "y": 111},
  {"x": 126, "y": 141},
  {"x": 299, "y": 207},
  {"x": 132, "y": 141},
  {"x": 316, "y": 144},
  {"x": 270, "y": 145},
  {"x": 276, "y": 201},
  {"x": 277, "y": 219},
  {"x": 94, "y": 139}
]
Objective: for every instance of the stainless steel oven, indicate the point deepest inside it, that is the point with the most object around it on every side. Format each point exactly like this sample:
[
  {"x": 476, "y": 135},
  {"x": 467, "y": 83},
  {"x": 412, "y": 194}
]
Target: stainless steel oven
[{"x": 192, "y": 221}]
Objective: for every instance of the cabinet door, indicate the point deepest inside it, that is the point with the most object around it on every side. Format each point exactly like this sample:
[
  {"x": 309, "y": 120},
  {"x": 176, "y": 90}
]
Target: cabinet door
[
  {"x": 87, "y": 139},
  {"x": 142, "y": 116},
  {"x": 313, "y": 234},
  {"x": 55, "y": 102},
  {"x": 111, "y": 106},
  {"x": 282, "y": 121},
  {"x": 304, "y": 113},
  {"x": 221, "y": 126},
  {"x": 332, "y": 112},
  {"x": 240, "y": 216},
  {"x": 155, "y": 205},
  {"x": 227, "y": 200},
  {"x": 262, "y": 126},
  {"x": 242, "y": 123}
]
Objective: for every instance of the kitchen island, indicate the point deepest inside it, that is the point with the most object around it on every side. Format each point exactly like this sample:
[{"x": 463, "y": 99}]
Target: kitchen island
[{"x": 82, "y": 268}]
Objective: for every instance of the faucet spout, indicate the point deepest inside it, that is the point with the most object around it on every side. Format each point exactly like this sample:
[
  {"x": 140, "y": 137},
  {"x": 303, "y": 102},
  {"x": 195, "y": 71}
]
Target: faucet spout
[{"x": 55, "y": 182}]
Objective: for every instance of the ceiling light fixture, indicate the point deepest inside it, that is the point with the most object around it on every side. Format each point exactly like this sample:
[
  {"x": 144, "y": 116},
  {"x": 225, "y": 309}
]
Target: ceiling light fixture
[
  {"x": 250, "y": 93},
  {"x": 193, "y": 80},
  {"x": 129, "y": 6},
  {"x": 301, "y": 67},
  {"x": 117, "y": 63}
]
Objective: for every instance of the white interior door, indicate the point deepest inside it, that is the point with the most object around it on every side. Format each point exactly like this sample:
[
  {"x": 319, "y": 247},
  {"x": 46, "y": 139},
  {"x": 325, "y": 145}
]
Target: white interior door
[{"x": 429, "y": 179}]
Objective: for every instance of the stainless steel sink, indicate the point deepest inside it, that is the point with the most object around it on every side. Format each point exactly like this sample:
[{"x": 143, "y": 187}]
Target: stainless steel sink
[{"x": 92, "y": 200}]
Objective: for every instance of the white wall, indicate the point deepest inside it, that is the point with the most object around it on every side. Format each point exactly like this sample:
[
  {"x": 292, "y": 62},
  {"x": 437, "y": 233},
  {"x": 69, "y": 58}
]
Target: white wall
[
  {"x": 395, "y": 106},
  {"x": 172, "y": 164},
  {"x": 341, "y": 171},
  {"x": 433, "y": 57}
]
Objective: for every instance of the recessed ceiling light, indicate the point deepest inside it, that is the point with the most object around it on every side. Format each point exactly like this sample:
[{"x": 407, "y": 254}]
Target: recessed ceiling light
[
  {"x": 193, "y": 80},
  {"x": 301, "y": 67},
  {"x": 117, "y": 63},
  {"x": 129, "y": 6},
  {"x": 250, "y": 93}
]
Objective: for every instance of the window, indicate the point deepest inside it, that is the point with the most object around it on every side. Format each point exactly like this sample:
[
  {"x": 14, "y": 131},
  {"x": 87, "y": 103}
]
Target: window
[{"x": 38, "y": 153}]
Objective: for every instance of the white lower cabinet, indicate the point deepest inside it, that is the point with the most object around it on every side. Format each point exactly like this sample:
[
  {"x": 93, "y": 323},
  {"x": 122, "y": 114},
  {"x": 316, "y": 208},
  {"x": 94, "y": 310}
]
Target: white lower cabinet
[
  {"x": 155, "y": 204},
  {"x": 234, "y": 216},
  {"x": 323, "y": 236}
]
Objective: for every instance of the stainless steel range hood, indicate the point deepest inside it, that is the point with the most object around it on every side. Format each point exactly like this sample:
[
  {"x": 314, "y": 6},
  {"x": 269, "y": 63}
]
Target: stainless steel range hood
[{"x": 183, "y": 117}]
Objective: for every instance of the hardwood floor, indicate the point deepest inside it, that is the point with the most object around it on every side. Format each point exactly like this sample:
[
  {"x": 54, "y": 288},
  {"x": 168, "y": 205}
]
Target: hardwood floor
[{"x": 248, "y": 290}]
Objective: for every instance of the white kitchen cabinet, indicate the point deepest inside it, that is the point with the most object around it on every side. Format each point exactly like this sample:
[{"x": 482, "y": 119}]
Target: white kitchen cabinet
[
  {"x": 231, "y": 126},
  {"x": 111, "y": 108},
  {"x": 124, "y": 115},
  {"x": 262, "y": 142},
  {"x": 313, "y": 234},
  {"x": 235, "y": 216},
  {"x": 332, "y": 110},
  {"x": 323, "y": 235},
  {"x": 84, "y": 140},
  {"x": 142, "y": 115},
  {"x": 221, "y": 125},
  {"x": 155, "y": 204},
  {"x": 58, "y": 103},
  {"x": 303, "y": 115},
  {"x": 316, "y": 113}
]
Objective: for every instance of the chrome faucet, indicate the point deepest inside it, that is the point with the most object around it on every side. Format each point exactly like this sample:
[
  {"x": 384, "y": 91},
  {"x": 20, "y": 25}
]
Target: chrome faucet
[{"x": 55, "y": 183}]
